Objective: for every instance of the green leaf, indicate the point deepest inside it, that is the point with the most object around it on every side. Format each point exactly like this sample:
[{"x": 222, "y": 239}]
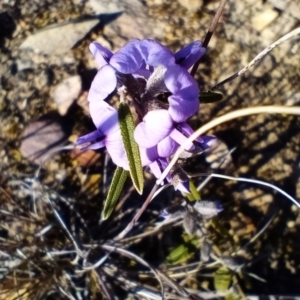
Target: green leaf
[
  {"x": 210, "y": 97},
  {"x": 184, "y": 251},
  {"x": 131, "y": 147},
  {"x": 114, "y": 192},
  {"x": 222, "y": 279},
  {"x": 194, "y": 195}
]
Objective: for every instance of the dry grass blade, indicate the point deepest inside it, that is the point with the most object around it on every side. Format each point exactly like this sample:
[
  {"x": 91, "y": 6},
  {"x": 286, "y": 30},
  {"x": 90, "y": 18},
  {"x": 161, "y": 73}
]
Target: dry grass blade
[
  {"x": 225, "y": 118},
  {"x": 258, "y": 182},
  {"x": 138, "y": 259},
  {"x": 259, "y": 56}
]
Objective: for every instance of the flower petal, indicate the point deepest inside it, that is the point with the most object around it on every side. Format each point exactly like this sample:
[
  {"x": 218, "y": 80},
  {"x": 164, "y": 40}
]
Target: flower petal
[
  {"x": 100, "y": 53},
  {"x": 181, "y": 109},
  {"x": 188, "y": 55},
  {"x": 183, "y": 187},
  {"x": 156, "y": 125},
  {"x": 148, "y": 155},
  {"x": 103, "y": 84},
  {"x": 89, "y": 137},
  {"x": 128, "y": 59},
  {"x": 115, "y": 148},
  {"x": 131, "y": 57},
  {"x": 155, "y": 54},
  {"x": 105, "y": 117},
  {"x": 155, "y": 169},
  {"x": 187, "y": 130},
  {"x": 177, "y": 136},
  {"x": 166, "y": 147},
  {"x": 184, "y": 102}
]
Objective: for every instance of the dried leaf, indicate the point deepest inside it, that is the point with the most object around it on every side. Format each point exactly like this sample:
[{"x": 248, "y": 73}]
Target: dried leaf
[{"x": 208, "y": 208}]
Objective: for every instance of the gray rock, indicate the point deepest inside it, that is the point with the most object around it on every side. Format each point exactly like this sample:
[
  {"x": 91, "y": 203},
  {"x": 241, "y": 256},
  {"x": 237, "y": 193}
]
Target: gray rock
[
  {"x": 43, "y": 137},
  {"x": 59, "y": 38},
  {"x": 66, "y": 93},
  {"x": 133, "y": 22}
]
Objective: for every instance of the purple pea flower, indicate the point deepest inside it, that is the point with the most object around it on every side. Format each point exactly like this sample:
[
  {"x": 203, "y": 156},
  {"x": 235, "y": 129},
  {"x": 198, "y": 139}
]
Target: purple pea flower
[{"x": 158, "y": 134}]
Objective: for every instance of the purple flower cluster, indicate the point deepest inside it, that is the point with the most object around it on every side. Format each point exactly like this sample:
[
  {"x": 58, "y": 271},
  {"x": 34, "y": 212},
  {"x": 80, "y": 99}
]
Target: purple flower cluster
[{"x": 157, "y": 84}]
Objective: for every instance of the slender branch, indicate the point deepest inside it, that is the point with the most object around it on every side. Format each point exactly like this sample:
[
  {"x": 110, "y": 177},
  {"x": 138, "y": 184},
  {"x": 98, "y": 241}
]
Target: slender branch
[
  {"x": 287, "y": 36},
  {"x": 225, "y": 118},
  {"x": 257, "y": 182},
  {"x": 137, "y": 215},
  {"x": 210, "y": 32}
]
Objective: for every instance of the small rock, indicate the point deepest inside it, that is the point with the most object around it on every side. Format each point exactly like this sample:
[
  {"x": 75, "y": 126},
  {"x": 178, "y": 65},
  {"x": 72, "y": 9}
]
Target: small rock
[
  {"x": 191, "y": 5},
  {"x": 264, "y": 18},
  {"x": 58, "y": 39},
  {"x": 66, "y": 93},
  {"x": 43, "y": 137},
  {"x": 130, "y": 17}
]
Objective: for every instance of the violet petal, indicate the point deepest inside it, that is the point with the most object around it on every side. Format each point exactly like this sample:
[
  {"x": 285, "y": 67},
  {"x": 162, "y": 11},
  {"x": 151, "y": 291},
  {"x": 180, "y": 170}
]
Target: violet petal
[
  {"x": 104, "y": 116},
  {"x": 183, "y": 187},
  {"x": 89, "y": 137},
  {"x": 133, "y": 55},
  {"x": 103, "y": 84},
  {"x": 156, "y": 125},
  {"x": 128, "y": 59},
  {"x": 148, "y": 155},
  {"x": 177, "y": 136},
  {"x": 155, "y": 54},
  {"x": 188, "y": 55},
  {"x": 184, "y": 102},
  {"x": 155, "y": 169},
  {"x": 100, "y": 53},
  {"x": 115, "y": 148},
  {"x": 188, "y": 131},
  {"x": 166, "y": 147}
]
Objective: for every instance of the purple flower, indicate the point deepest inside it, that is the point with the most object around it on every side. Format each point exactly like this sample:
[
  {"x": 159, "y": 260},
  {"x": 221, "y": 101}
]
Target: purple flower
[
  {"x": 142, "y": 71},
  {"x": 130, "y": 59}
]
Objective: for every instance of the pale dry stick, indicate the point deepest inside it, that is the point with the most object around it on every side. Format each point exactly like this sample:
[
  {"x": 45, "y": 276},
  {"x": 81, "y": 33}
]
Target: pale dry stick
[
  {"x": 78, "y": 251},
  {"x": 153, "y": 231},
  {"x": 257, "y": 182},
  {"x": 96, "y": 265},
  {"x": 225, "y": 118},
  {"x": 137, "y": 215},
  {"x": 210, "y": 32},
  {"x": 259, "y": 56},
  {"x": 209, "y": 177},
  {"x": 138, "y": 259}
]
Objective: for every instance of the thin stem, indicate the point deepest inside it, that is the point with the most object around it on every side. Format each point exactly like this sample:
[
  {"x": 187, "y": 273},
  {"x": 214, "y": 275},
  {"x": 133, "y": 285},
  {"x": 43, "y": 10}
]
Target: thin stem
[
  {"x": 287, "y": 36},
  {"x": 257, "y": 182},
  {"x": 137, "y": 215},
  {"x": 210, "y": 32},
  {"x": 225, "y": 118}
]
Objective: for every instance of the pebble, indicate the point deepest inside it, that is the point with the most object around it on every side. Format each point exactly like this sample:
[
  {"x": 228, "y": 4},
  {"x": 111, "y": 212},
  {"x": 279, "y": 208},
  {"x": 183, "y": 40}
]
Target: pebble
[
  {"x": 59, "y": 39},
  {"x": 66, "y": 93},
  {"x": 43, "y": 137}
]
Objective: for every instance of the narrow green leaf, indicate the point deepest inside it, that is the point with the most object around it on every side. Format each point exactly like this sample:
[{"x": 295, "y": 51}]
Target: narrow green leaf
[
  {"x": 114, "y": 192},
  {"x": 222, "y": 279},
  {"x": 210, "y": 97},
  {"x": 194, "y": 191},
  {"x": 131, "y": 147}
]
